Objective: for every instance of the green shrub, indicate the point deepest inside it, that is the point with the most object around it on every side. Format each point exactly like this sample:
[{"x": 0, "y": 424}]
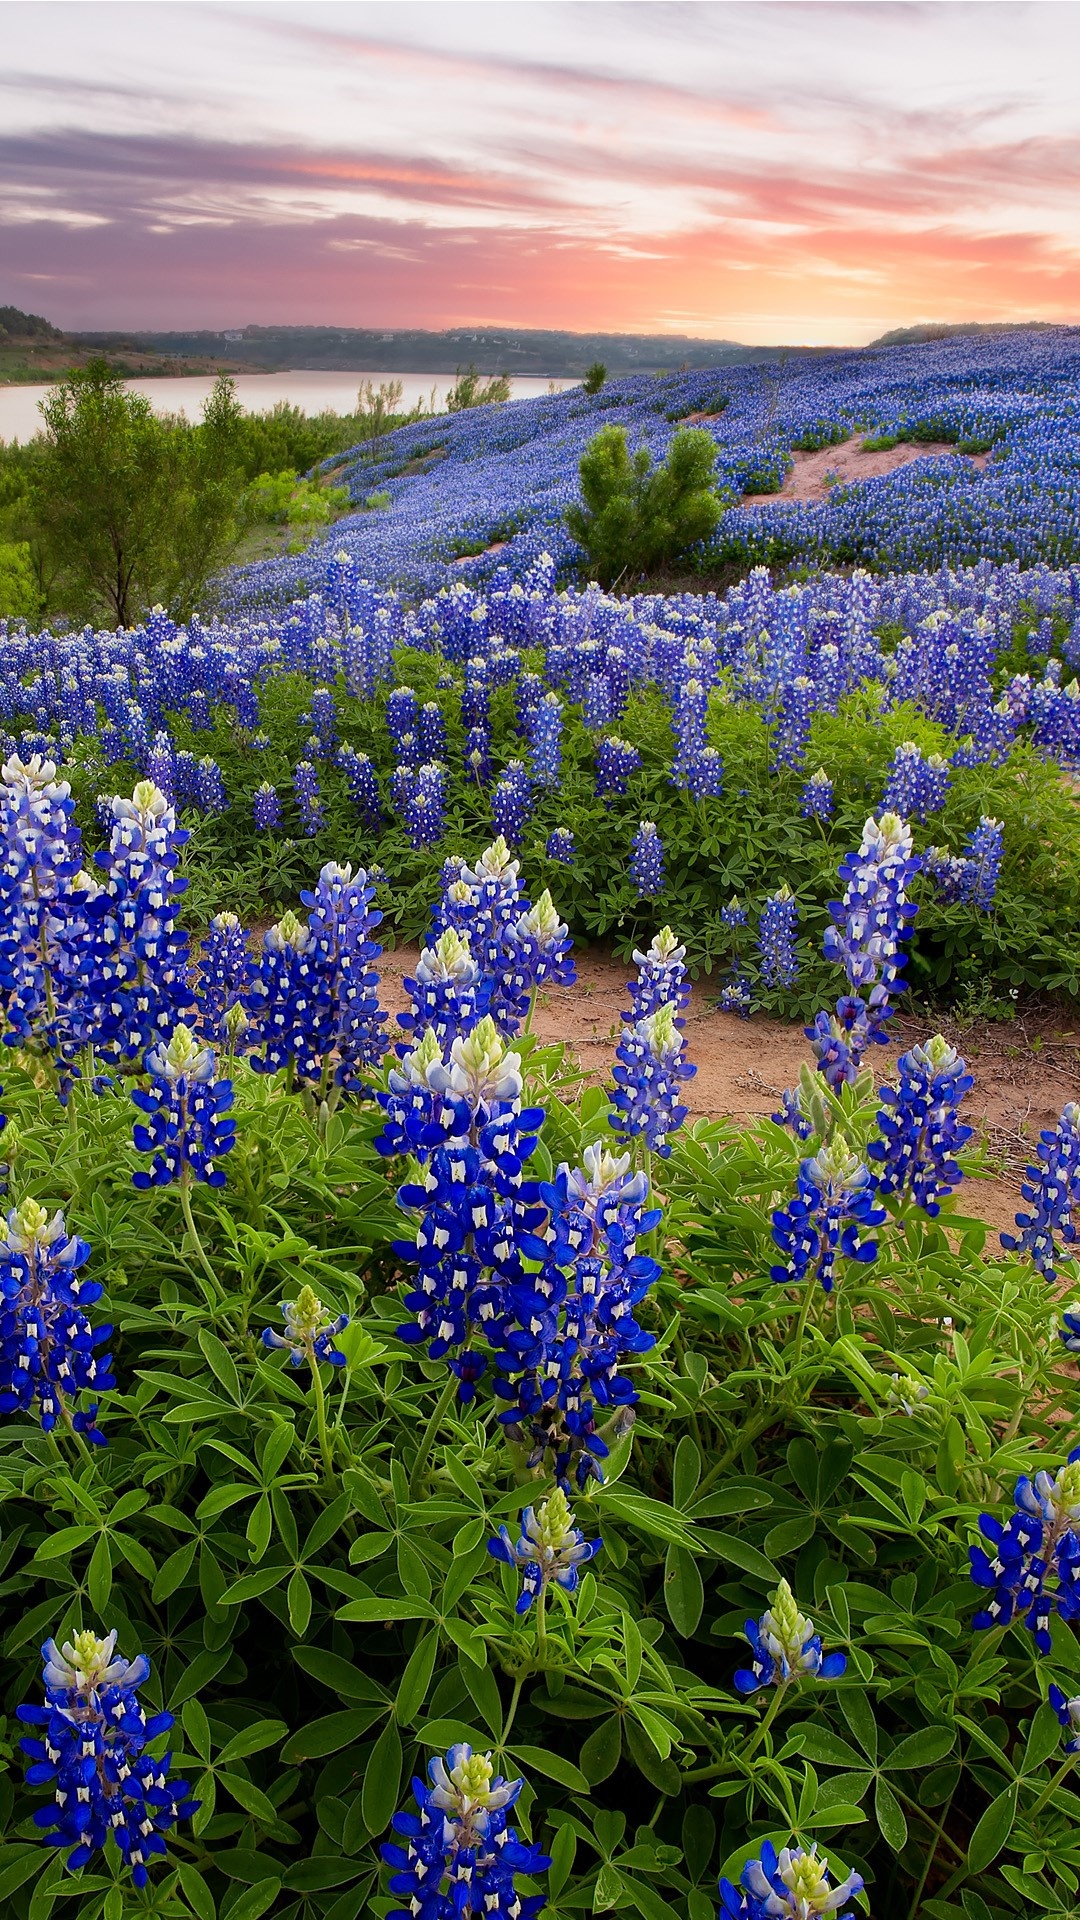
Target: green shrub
[
  {"x": 470, "y": 389},
  {"x": 20, "y": 593},
  {"x": 594, "y": 377},
  {"x": 636, "y": 516}
]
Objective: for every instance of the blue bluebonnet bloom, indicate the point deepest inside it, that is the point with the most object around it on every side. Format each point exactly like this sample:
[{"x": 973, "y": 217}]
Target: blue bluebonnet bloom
[
  {"x": 734, "y": 914},
  {"x": 560, "y": 846},
  {"x": 1069, "y": 1330},
  {"x": 210, "y": 793},
  {"x": 568, "y": 1325},
  {"x": 363, "y": 784},
  {"x": 921, "y": 1128},
  {"x": 266, "y": 807},
  {"x": 785, "y": 1647},
  {"x": 160, "y": 765},
  {"x": 1035, "y": 1568},
  {"x": 648, "y": 1073},
  {"x": 478, "y": 755},
  {"x": 306, "y": 789},
  {"x": 323, "y": 720},
  {"x": 460, "y": 1855},
  {"x": 310, "y": 1331},
  {"x": 789, "y": 1885},
  {"x": 289, "y": 1004},
  {"x": 40, "y": 858},
  {"x": 817, "y": 797},
  {"x": 313, "y": 1003},
  {"x": 549, "y": 1548},
  {"x": 402, "y": 713},
  {"x": 448, "y": 992},
  {"x": 982, "y": 863},
  {"x": 661, "y": 978},
  {"x": 1052, "y": 1190},
  {"x": 647, "y": 874},
  {"x": 616, "y": 761},
  {"x": 777, "y": 958},
  {"x": 688, "y": 719},
  {"x": 511, "y": 803},
  {"x": 1068, "y": 1712},
  {"x": 832, "y": 1208},
  {"x": 188, "y": 1110},
  {"x": 915, "y": 786},
  {"x": 869, "y": 926},
  {"x": 425, "y": 808},
  {"x": 947, "y": 873},
  {"x": 545, "y": 721},
  {"x": 463, "y": 1120},
  {"x": 537, "y": 953},
  {"x": 225, "y": 974},
  {"x": 736, "y": 995},
  {"x": 48, "y": 1349},
  {"x": 91, "y": 1749},
  {"x": 705, "y": 775}
]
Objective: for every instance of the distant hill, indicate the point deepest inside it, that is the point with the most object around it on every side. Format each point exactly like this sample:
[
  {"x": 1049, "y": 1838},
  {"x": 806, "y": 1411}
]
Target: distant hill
[
  {"x": 17, "y": 325},
  {"x": 413, "y": 350},
  {"x": 947, "y": 330}
]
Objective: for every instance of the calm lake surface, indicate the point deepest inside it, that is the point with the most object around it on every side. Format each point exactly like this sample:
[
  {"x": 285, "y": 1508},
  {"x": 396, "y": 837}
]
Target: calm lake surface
[{"x": 258, "y": 392}]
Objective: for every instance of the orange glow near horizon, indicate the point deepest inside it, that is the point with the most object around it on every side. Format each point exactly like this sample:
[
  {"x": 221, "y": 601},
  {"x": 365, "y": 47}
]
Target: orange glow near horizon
[{"x": 772, "y": 172}]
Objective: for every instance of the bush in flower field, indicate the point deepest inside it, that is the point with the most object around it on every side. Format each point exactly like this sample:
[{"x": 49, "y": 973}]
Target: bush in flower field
[{"x": 440, "y": 1487}]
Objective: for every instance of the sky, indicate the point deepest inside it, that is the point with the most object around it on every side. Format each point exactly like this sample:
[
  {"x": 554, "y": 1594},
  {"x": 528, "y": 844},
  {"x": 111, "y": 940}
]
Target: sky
[{"x": 772, "y": 172}]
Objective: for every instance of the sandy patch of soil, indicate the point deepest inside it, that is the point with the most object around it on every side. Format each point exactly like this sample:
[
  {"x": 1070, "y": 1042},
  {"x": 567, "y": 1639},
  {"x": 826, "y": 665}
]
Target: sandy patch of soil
[
  {"x": 813, "y": 475},
  {"x": 1024, "y": 1071},
  {"x": 464, "y": 558},
  {"x": 698, "y": 419}
]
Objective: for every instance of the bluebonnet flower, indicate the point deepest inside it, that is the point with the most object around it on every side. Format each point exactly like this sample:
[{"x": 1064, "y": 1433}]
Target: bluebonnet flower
[
  {"x": 210, "y": 793},
  {"x": 560, "y": 846},
  {"x": 266, "y": 807},
  {"x": 647, "y": 875},
  {"x": 1052, "y": 1190},
  {"x": 225, "y": 974},
  {"x": 1068, "y": 1713},
  {"x": 1035, "y": 1568},
  {"x": 915, "y": 786},
  {"x": 832, "y": 1208},
  {"x": 130, "y": 982},
  {"x": 537, "y": 953},
  {"x": 310, "y": 1331},
  {"x": 568, "y": 1325},
  {"x": 92, "y": 1750},
  {"x": 425, "y": 808},
  {"x": 648, "y": 1073},
  {"x": 289, "y": 1003},
  {"x": 341, "y": 921},
  {"x": 1069, "y": 1330},
  {"x": 40, "y": 857},
  {"x": 160, "y": 765},
  {"x": 869, "y": 927},
  {"x": 188, "y": 1110},
  {"x": 705, "y": 775},
  {"x": 661, "y": 978},
  {"x": 432, "y": 731},
  {"x": 460, "y": 1855},
  {"x": 363, "y": 784},
  {"x": 323, "y": 718},
  {"x": 544, "y": 728},
  {"x": 48, "y": 1349},
  {"x": 817, "y": 797},
  {"x": 616, "y": 760},
  {"x": 449, "y": 994},
  {"x": 789, "y": 1885},
  {"x": 463, "y": 1119},
  {"x": 549, "y": 1548},
  {"x": 688, "y": 719},
  {"x": 478, "y": 755},
  {"x": 511, "y": 803},
  {"x": 785, "y": 1647},
  {"x": 402, "y": 713},
  {"x": 736, "y": 995},
  {"x": 797, "y": 703},
  {"x": 778, "y": 960},
  {"x": 734, "y": 914},
  {"x": 597, "y": 704},
  {"x": 306, "y": 789},
  {"x": 982, "y": 863},
  {"x": 921, "y": 1127},
  {"x": 947, "y": 873}
]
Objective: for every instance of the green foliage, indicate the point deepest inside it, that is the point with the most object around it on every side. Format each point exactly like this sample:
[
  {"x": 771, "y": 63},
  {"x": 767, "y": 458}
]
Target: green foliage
[
  {"x": 470, "y": 389},
  {"x": 636, "y": 516},
  {"x": 317, "y": 1598},
  {"x": 283, "y": 500},
  {"x": 594, "y": 377},
  {"x": 131, "y": 510},
  {"x": 20, "y": 595},
  {"x": 16, "y": 325},
  {"x": 823, "y": 433}
]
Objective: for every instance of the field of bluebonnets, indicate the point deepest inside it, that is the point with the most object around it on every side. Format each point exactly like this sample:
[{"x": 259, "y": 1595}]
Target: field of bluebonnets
[{"x": 447, "y": 1487}]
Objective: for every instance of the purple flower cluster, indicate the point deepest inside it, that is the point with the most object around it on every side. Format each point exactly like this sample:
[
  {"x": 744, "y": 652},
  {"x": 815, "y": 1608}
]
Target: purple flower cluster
[
  {"x": 920, "y": 1126},
  {"x": 1033, "y": 1568}
]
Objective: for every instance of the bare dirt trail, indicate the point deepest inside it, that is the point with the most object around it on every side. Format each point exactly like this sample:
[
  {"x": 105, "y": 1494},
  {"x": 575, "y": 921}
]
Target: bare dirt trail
[
  {"x": 1024, "y": 1071},
  {"x": 813, "y": 476}
]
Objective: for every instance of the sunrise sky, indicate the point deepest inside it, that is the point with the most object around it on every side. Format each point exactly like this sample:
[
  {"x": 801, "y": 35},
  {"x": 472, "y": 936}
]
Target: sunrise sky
[{"x": 768, "y": 172}]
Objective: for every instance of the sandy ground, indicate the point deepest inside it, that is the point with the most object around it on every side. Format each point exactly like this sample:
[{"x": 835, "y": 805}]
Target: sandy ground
[
  {"x": 1024, "y": 1071},
  {"x": 813, "y": 475}
]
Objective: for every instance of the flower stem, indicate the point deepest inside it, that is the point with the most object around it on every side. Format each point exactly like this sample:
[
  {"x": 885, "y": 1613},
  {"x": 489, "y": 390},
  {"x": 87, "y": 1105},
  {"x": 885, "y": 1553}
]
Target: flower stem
[
  {"x": 804, "y": 1315},
  {"x": 511, "y": 1710},
  {"x": 189, "y": 1222},
  {"x": 1053, "y": 1784},
  {"x": 766, "y": 1721},
  {"x": 423, "y": 1452},
  {"x": 320, "y": 1418}
]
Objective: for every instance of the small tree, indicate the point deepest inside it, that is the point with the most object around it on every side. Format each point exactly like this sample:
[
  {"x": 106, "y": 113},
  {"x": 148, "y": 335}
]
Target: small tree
[
  {"x": 636, "y": 516},
  {"x": 470, "y": 390},
  {"x": 376, "y": 407},
  {"x": 595, "y": 377}
]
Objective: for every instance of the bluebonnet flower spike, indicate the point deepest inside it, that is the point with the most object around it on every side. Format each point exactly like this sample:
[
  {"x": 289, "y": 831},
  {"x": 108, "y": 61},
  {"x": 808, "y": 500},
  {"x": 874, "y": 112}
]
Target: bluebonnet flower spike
[
  {"x": 1034, "y": 1570},
  {"x": 549, "y": 1548},
  {"x": 91, "y": 1749},
  {"x": 309, "y": 1331},
  {"x": 785, "y": 1647},
  {"x": 458, "y": 1856},
  {"x": 789, "y": 1885}
]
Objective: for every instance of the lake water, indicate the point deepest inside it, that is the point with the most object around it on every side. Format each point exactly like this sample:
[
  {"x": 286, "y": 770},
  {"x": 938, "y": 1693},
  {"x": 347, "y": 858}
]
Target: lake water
[{"x": 257, "y": 392}]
